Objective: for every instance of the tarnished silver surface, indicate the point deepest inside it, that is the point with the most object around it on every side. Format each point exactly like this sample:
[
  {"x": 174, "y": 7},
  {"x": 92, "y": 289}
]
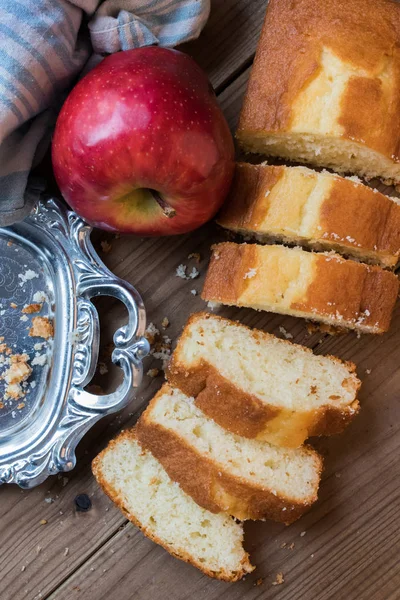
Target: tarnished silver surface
[{"x": 54, "y": 244}]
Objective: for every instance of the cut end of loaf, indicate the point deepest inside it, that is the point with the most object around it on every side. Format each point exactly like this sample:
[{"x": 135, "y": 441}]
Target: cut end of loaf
[
  {"x": 139, "y": 485},
  {"x": 259, "y": 386},
  {"x": 249, "y": 479}
]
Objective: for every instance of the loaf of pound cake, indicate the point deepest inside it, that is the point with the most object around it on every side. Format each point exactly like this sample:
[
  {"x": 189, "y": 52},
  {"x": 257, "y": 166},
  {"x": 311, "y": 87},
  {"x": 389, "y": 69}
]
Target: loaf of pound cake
[
  {"x": 248, "y": 479},
  {"x": 140, "y": 487},
  {"x": 259, "y": 386},
  {"x": 323, "y": 211},
  {"x": 325, "y": 86},
  {"x": 319, "y": 286}
]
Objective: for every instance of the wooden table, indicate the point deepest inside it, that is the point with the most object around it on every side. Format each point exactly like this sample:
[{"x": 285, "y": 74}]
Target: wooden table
[{"x": 346, "y": 548}]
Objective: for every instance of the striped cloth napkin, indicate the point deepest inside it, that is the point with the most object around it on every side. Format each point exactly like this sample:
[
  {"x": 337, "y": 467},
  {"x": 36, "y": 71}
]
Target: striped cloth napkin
[{"x": 44, "y": 45}]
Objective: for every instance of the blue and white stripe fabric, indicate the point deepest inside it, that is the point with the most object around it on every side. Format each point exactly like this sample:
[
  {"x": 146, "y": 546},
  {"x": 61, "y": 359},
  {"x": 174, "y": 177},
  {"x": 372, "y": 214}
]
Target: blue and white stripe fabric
[{"x": 43, "y": 47}]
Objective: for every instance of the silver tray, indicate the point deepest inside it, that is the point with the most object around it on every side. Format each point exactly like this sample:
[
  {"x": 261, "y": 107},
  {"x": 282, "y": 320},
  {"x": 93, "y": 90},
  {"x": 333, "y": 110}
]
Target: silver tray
[{"x": 51, "y": 251}]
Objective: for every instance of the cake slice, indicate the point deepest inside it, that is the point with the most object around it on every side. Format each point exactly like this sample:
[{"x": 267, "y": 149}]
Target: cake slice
[
  {"x": 140, "y": 487},
  {"x": 319, "y": 210},
  {"x": 321, "y": 287},
  {"x": 259, "y": 386},
  {"x": 325, "y": 86},
  {"x": 248, "y": 479}
]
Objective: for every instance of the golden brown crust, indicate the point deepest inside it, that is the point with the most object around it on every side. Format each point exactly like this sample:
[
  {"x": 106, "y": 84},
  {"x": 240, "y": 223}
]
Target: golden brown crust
[
  {"x": 365, "y": 302},
  {"x": 363, "y": 34},
  {"x": 362, "y": 218},
  {"x": 230, "y": 269},
  {"x": 367, "y": 298},
  {"x": 113, "y": 494},
  {"x": 229, "y": 406},
  {"x": 245, "y": 414},
  {"x": 352, "y": 217},
  {"x": 213, "y": 488},
  {"x": 247, "y": 202}
]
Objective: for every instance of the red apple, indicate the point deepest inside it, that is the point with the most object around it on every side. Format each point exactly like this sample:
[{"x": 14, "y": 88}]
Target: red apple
[{"x": 141, "y": 145}]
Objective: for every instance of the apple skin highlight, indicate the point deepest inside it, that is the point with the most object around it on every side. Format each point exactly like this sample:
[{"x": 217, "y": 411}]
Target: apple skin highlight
[{"x": 145, "y": 119}]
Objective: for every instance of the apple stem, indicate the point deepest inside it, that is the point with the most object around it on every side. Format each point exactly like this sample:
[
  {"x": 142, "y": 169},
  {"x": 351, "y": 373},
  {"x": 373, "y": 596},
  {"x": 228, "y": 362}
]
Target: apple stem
[{"x": 167, "y": 210}]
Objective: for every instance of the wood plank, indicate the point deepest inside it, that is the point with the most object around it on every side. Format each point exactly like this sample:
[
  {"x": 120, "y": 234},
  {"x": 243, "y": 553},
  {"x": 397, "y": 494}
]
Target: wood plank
[{"x": 229, "y": 40}]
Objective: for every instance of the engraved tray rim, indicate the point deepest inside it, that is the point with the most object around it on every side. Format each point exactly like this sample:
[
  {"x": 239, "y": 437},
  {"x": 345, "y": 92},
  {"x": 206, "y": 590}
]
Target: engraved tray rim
[{"x": 46, "y": 448}]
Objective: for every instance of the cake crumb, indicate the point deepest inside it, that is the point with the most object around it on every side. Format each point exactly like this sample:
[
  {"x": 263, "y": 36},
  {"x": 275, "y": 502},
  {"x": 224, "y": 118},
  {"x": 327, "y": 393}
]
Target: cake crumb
[
  {"x": 23, "y": 318},
  {"x": 9, "y": 243},
  {"x": 39, "y": 360},
  {"x": 103, "y": 369},
  {"x": 43, "y": 522},
  {"x": 39, "y": 297},
  {"x": 195, "y": 255},
  {"x": 151, "y": 333},
  {"x": 32, "y": 308},
  {"x": 285, "y": 333},
  {"x": 291, "y": 547},
  {"x": 19, "y": 369},
  {"x": 38, "y": 346},
  {"x": 367, "y": 371},
  {"x": 259, "y": 581},
  {"x": 21, "y": 405},
  {"x": 27, "y": 276},
  {"x": 181, "y": 272},
  {"x": 279, "y": 579},
  {"x": 152, "y": 372},
  {"x": 13, "y": 305},
  {"x": 105, "y": 246},
  {"x": 41, "y": 327},
  {"x": 165, "y": 323},
  {"x": 13, "y": 391},
  {"x": 211, "y": 305},
  {"x": 66, "y": 551},
  {"x": 303, "y": 533}
]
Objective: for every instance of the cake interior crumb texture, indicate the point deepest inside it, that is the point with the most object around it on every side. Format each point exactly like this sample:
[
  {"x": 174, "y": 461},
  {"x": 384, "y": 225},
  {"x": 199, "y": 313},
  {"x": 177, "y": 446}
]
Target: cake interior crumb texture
[
  {"x": 265, "y": 365},
  {"x": 325, "y": 86},
  {"x": 291, "y": 474},
  {"x": 136, "y": 481}
]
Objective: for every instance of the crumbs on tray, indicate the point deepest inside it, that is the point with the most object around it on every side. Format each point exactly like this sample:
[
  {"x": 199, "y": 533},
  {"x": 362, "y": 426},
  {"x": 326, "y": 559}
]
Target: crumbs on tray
[
  {"x": 41, "y": 327},
  {"x": 18, "y": 366}
]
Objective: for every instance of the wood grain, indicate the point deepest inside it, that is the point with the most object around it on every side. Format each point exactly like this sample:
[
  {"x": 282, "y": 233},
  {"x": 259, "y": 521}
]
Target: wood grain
[{"x": 351, "y": 546}]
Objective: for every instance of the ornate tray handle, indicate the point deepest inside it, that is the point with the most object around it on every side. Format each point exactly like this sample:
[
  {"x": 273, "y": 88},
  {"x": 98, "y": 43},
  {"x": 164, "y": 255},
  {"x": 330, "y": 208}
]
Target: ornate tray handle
[
  {"x": 51, "y": 448},
  {"x": 130, "y": 348}
]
